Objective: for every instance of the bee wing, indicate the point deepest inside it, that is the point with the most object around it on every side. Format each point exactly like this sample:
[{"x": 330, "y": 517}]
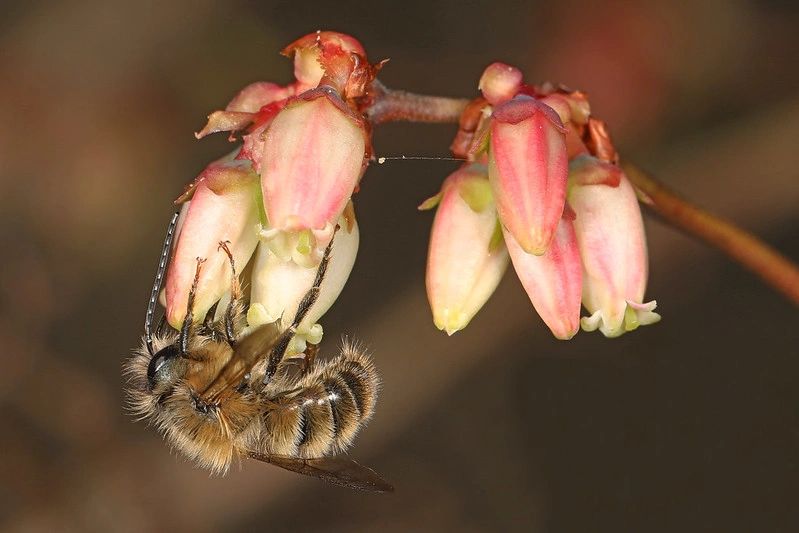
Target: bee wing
[
  {"x": 257, "y": 343},
  {"x": 336, "y": 470},
  {"x": 246, "y": 353}
]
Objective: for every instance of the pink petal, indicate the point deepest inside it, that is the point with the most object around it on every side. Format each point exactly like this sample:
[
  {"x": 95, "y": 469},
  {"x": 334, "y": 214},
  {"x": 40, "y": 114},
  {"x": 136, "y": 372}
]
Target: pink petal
[
  {"x": 528, "y": 167},
  {"x": 465, "y": 262},
  {"x": 224, "y": 207},
  {"x": 313, "y": 156},
  {"x": 610, "y": 234},
  {"x": 553, "y": 281}
]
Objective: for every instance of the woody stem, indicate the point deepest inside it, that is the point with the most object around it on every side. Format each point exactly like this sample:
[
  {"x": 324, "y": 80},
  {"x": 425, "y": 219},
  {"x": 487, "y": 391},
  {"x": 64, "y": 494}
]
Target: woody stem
[{"x": 740, "y": 246}]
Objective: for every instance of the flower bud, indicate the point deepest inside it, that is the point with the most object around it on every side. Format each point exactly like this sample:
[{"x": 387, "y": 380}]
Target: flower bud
[
  {"x": 224, "y": 207},
  {"x": 500, "y": 82},
  {"x": 325, "y": 53},
  {"x": 553, "y": 281},
  {"x": 313, "y": 156},
  {"x": 610, "y": 235},
  {"x": 528, "y": 167},
  {"x": 466, "y": 259},
  {"x": 279, "y": 284}
]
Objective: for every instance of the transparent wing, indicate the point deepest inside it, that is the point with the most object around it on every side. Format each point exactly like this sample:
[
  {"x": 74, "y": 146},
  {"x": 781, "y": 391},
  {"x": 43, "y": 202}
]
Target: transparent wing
[
  {"x": 247, "y": 352},
  {"x": 336, "y": 470}
]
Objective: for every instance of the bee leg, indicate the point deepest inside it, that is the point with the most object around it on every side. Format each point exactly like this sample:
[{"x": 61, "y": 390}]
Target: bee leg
[
  {"x": 279, "y": 351},
  {"x": 234, "y": 308},
  {"x": 309, "y": 358},
  {"x": 188, "y": 321},
  {"x": 159, "y": 330}
]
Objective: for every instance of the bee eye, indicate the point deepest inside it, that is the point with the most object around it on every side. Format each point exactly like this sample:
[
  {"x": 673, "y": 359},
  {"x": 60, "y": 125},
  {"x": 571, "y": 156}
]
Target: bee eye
[{"x": 159, "y": 360}]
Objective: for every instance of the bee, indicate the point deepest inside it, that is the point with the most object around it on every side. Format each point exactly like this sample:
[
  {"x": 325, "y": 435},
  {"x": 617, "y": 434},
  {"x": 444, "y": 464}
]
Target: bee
[{"x": 218, "y": 393}]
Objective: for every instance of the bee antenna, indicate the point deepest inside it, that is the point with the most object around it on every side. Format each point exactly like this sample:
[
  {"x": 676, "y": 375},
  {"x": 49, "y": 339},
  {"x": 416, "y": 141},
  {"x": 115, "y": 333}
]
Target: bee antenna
[{"x": 159, "y": 278}]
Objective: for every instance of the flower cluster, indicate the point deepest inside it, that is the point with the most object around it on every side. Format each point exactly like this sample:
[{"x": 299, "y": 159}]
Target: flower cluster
[
  {"x": 277, "y": 198},
  {"x": 542, "y": 187}
]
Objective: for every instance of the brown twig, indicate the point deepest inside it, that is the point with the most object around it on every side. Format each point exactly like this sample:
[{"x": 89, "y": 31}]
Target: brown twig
[
  {"x": 389, "y": 105},
  {"x": 742, "y": 247}
]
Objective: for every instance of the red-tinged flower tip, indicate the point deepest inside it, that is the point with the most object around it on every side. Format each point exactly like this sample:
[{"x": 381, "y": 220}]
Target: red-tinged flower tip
[
  {"x": 500, "y": 82},
  {"x": 466, "y": 258},
  {"x": 528, "y": 169},
  {"x": 574, "y": 111},
  {"x": 224, "y": 207},
  {"x": 570, "y": 107},
  {"x": 313, "y": 156},
  {"x": 337, "y": 58},
  {"x": 247, "y": 108},
  {"x": 256, "y": 95},
  {"x": 279, "y": 284},
  {"x": 553, "y": 281},
  {"x": 610, "y": 235}
]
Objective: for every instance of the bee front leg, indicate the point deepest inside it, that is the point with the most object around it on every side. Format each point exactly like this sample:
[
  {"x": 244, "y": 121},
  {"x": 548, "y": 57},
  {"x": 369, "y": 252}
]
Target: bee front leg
[
  {"x": 235, "y": 310},
  {"x": 188, "y": 321}
]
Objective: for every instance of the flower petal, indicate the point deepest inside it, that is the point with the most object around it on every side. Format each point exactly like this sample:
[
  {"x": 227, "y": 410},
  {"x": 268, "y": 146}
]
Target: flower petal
[
  {"x": 224, "y": 207},
  {"x": 553, "y": 281},
  {"x": 610, "y": 234},
  {"x": 313, "y": 156},
  {"x": 279, "y": 284},
  {"x": 464, "y": 264},
  {"x": 528, "y": 167}
]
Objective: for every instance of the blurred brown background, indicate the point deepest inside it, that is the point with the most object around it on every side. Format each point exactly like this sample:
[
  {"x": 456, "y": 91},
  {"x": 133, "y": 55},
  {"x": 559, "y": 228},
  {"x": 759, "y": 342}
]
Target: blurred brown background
[{"x": 689, "y": 425}]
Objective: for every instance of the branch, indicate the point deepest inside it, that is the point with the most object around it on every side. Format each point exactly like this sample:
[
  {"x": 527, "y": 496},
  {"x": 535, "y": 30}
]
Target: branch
[
  {"x": 394, "y": 106},
  {"x": 742, "y": 247}
]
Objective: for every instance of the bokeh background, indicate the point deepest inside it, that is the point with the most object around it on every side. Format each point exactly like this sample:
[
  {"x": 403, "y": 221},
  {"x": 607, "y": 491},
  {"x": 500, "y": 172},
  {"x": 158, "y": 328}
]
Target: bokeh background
[{"x": 689, "y": 425}]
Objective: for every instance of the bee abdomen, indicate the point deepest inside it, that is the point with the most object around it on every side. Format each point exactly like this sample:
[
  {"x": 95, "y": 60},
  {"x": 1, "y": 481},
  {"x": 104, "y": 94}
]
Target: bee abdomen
[
  {"x": 351, "y": 384},
  {"x": 325, "y": 415}
]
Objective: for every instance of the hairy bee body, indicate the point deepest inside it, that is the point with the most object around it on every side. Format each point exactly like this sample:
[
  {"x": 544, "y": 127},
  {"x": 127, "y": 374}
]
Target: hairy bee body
[
  {"x": 308, "y": 416},
  {"x": 218, "y": 391}
]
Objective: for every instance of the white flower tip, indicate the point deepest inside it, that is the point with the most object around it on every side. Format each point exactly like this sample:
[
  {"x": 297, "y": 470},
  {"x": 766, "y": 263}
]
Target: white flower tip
[
  {"x": 268, "y": 234},
  {"x": 314, "y": 334},
  {"x": 635, "y": 315},
  {"x": 257, "y": 315},
  {"x": 640, "y": 315},
  {"x": 296, "y": 345}
]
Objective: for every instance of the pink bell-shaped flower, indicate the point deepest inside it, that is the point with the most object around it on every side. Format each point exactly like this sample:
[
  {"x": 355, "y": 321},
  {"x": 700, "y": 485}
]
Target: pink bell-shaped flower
[
  {"x": 313, "y": 156},
  {"x": 528, "y": 168},
  {"x": 467, "y": 258},
  {"x": 279, "y": 284},
  {"x": 553, "y": 281},
  {"x": 224, "y": 207},
  {"x": 610, "y": 235}
]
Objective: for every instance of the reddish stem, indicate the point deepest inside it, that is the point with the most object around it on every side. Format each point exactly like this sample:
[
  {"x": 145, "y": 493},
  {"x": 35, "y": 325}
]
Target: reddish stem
[
  {"x": 389, "y": 105},
  {"x": 400, "y": 106},
  {"x": 741, "y": 246}
]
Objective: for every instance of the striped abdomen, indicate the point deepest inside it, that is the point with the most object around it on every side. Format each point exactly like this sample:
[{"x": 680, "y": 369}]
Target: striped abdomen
[{"x": 322, "y": 418}]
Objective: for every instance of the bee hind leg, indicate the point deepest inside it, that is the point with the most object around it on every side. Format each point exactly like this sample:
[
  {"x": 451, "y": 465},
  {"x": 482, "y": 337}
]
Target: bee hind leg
[{"x": 279, "y": 351}]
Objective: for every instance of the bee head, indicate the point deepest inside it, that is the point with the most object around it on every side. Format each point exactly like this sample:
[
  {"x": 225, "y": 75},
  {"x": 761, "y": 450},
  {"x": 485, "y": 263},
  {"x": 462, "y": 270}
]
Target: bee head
[{"x": 165, "y": 366}]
